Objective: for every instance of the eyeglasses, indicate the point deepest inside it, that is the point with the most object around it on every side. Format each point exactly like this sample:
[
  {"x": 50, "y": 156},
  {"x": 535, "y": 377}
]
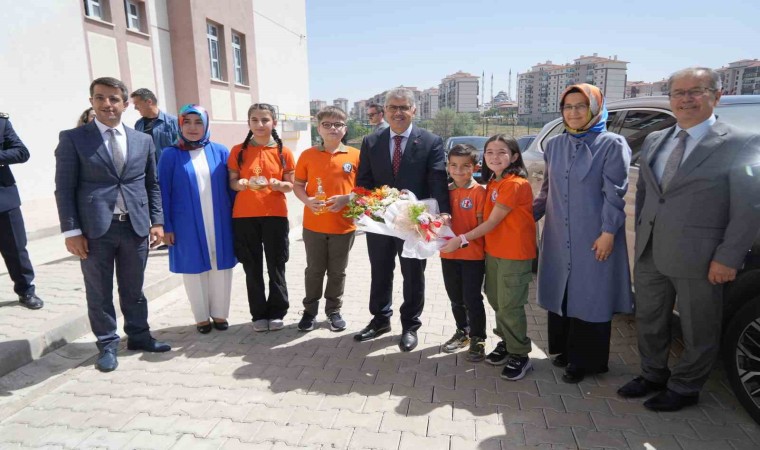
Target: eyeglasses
[
  {"x": 371, "y": 115},
  {"x": 581, "y": 108},
  {"x": 394, "y": 108},
  {"x": 693, "y": 92},
  {"x": 336, "y": 125}
]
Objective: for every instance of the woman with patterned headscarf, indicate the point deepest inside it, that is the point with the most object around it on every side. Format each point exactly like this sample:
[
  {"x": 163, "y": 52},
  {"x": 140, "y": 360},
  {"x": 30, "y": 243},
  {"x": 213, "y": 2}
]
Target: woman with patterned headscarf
[
  {"x": 583, "y": 274},
  {"x": 197, "y": 204}
]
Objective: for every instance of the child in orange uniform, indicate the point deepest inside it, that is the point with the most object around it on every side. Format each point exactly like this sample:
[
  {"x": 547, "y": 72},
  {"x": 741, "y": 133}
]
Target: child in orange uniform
[
  {"x": 463, "y": 269},
  {"x": 327, "y": 235},
  {"x": 510, "y": 234},
  {"x": 261, "y": 171}
]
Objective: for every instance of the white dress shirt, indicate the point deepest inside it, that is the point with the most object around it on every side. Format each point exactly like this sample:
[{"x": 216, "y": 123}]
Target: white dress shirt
[
  {"x": 696, "y": 133},
  {"x": 405, "y": 139}
]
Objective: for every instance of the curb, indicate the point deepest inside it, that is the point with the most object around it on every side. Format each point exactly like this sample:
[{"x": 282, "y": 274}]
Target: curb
[{"x": 18, "y": 353}]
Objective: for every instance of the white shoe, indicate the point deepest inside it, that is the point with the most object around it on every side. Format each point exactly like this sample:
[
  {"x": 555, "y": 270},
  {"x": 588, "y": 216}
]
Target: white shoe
[
  {"x": 276, "y": 324},
  {"x": 261, "y": 325}
]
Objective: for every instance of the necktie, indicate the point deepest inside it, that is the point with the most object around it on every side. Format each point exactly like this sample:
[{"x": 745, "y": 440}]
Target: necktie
[
  {"x": 674, "y": 160},
  {"x": 118, "y": 162},
  {"x": 397, "y": 153}
]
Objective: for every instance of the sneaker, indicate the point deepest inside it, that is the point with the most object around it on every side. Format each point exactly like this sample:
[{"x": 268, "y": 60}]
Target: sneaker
[
  {"x": 499, "y": 355},
  {"x": 261, "y": 325},
  {"x": 459, "y": 340},
  {"x": 477, "y": 351},
  {"x": 276, "y": 324},
  {"x": 336, "y": 322},
  {"x": 307, "y": 322},
  {"x": 516, "y": 368}
]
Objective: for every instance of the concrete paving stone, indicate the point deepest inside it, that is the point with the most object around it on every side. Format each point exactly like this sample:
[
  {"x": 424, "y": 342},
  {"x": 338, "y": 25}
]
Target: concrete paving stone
[
  {"x": 461, "y": 395},
  {"x": 356, "y": 376},
  {"x": 272, "y": 432},
  {"x": 146, "y": 440},
  {"x": 261, "y": 397},
  {"x": 555, "y": 436},
  {"x": 332, "y": 352},
  {"x": 638, "y": 441},
  {"x": 22, "y": 434},
  {"x": 608, "y": 422},
  {"x": 510, "y": 434},
  {"x": 152, "y": 424},
  {"x": 743, "y": 445},
  {"x": 363, "y": 439},
  {"x": 486, "y": 397},
  {"x": 525, "y": 386},
  {"x": 64, "y": 436},
  {"x": 457, "y": 370},
  {"x": 710, "y": 432},
  {"x": 388, "y": 376},
  {"x": 624, "y": 407},
  {"x": 223, "y": 410},
  {"x": 441, "y": 410},
  {"x": 198, "y": 427},
  {"x": 657, "y": 427},
  {"x": 278, "y": 372},
  {"x": 69, "y": 418},
  {"x": 107, "y": 439},
  {"x": 573, "y": 404},
  {"x": 556, "y": 419},
  {"x": 468, "y": 381},
  {"x": 34, "y": 417},
  {"x": 365, "y": 421},
  {"x": 291, "y": 385},
  {"x": 189, "y": 394},
  {"x": 345, "y": 363},
  {"x": 698, "y": 444},
  {"x": 411, "y": 363},
  {"x": 108, "y": 420},
  {"x": 243, "y": 431},
  {"x": 423, "y": 393},
  {"x": 410, "y": 441},
  {"x": 264, "y": 413},
  {"x": 382, "y": 405},
  {"x": 328, "y": 438},
  {"x": 317, "y": 362},
  {"x": 306, "y": 415},
  {"x": 184, "y": 408},
  {"x": 371, "y": 390},
  {"x": 458, "y": 443},
  {"x": 464, "y": 428},
  {"x": 444, "y": 381},
  {"x": 330, "y": 388},
  {"x": 488, "y": 413},
  {"x": 351, "y": 402},
  {"x": 396, "y": 422},
  {"x": 529, "y": 401},
  {"x": 517, "y": 416},
  {"x": 753, "y": 431},
  {"x": 234, "y": 444},
  {"x": 600, "y": 439},
  {"x": 610, "y": 392},
  {"x": 130, "y": 390},
  {"x": 189, "y": 441},
  {"x": 546, "y": 388}
]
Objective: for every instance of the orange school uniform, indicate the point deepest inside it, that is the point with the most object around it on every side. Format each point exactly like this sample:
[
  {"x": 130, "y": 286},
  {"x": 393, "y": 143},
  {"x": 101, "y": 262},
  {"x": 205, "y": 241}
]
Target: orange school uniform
[
  {"x": 337, "y": 171},
  {"x": 264, "y": 202},
  {"x": 515, "y": 237},
  {"x": 467, "y": 206}
]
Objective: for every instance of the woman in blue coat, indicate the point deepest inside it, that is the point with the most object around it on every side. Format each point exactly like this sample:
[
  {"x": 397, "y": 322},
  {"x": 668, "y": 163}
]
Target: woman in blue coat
[
  {"x": 583, "y": 274},
  {"x": 197, "y": 204}
]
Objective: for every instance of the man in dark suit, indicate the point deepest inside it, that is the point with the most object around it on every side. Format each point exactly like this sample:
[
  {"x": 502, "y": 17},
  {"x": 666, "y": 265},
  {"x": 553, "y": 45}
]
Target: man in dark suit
[
  {"x": 405, "y": 157},
  {"x": 108, "y": 204},
  {"x": 697, "y": 214},
  {"x": 13, "y": 236}
]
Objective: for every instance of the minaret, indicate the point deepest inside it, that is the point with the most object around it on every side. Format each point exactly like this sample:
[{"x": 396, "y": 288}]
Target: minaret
[{"x": 509, "y": 89}]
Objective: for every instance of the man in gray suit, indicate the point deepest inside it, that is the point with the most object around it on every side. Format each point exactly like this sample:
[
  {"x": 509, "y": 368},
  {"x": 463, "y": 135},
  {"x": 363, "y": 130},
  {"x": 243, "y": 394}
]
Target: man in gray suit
[
  {"x": 108, "y": 197},
  {"x": 697, "y": 214}
]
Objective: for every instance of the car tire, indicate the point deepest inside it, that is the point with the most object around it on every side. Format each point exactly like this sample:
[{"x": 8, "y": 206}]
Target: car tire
[{"x": 741, "y": 356}]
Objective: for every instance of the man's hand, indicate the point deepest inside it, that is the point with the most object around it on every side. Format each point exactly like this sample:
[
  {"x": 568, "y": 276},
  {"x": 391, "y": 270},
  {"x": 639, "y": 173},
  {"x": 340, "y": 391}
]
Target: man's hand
[
  {"x": 337, "y": 202},
  {"x": 169, "y": 239},
  {"x": 720, "y": 274},
  {"x": 603, "y": 246},
  {"x": 77, "y": 245},
  {"x": 156, "y": 235}
]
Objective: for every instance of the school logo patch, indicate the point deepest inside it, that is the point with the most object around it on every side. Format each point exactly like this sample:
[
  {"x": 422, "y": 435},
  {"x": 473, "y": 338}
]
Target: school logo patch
[
  {"x": 348, "y": 167},
  {"x": 466, "y": 203},
  {"x": 494, "y": 194}
]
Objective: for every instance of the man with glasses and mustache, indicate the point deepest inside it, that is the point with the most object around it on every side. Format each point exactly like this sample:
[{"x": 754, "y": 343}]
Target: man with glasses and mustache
[
  {"x": 697, "y": 214},
  {"x": 376, "y": 114},
  {"x": 403, "y": 156}
]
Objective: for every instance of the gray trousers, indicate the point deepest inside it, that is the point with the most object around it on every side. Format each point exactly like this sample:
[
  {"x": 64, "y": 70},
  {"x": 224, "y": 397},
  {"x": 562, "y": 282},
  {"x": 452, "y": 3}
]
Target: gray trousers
[
  {"x": 325, "y": 253},
  {"x": 700, "y": 307}
]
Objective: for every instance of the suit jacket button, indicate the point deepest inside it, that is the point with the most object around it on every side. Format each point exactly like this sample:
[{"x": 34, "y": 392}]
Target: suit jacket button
[{"x": 662, "y": 200}]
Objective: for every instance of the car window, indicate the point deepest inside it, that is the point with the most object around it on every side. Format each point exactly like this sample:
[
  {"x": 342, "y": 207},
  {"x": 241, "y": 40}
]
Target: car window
[
  {"x": 558, "y": 129},
  {"x": 637, "y": 124},
  {"x": 740, "y": 116}
]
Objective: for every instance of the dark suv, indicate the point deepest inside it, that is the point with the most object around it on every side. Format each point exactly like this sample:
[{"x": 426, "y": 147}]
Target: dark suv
[{"x": 634, "y": 119}]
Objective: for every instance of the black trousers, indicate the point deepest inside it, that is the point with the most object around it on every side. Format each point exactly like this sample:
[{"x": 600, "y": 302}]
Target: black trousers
[
  {"x": 13, "y": 249},
  {"x": 585, "y": 344},
  {"x": 383, "y": 251},
  {"x": 463, "y": 280},
  {"x": 256, "y": 238}
]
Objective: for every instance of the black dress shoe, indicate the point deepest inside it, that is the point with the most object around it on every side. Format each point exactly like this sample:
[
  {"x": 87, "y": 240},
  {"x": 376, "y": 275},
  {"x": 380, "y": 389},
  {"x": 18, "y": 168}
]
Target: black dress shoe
[
  {"x": 31, "y": 301},
  {"x": 573, "y": 374},
  {"x": 639, "y": 387},
  {"x": 560, "y": 360},
  {"x": 151, "y": 345},
  {"x": 670, "y": 401},
  {"x": 107, "y": 361},
  {"x": 221, "y": 326},
  {"x": 408, "y": 341},
  {"x": 204, "y": 329},
  {"x": 371, "y": 332}
]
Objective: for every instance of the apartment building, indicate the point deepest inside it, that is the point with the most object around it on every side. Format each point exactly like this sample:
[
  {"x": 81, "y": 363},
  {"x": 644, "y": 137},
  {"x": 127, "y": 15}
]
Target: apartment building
[
  {"x": 644, "y": 89},
  {"x": 360, "y": 111},
  {"x": 428, "y": 103},
  {"x": 741, "y": 77},
  {"x": 224, "y": 55},
  {"x": 459, "y": 92},
  {"x": 341, "y": 103},
  {"x": 539, "y": 89}
]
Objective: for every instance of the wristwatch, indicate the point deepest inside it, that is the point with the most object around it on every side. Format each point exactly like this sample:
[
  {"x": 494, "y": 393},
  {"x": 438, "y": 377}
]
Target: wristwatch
[{"x": 464, "y": 243}]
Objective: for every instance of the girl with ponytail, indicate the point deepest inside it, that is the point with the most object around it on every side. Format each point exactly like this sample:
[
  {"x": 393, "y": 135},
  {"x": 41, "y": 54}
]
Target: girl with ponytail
[{"x": 261, "y": 171}]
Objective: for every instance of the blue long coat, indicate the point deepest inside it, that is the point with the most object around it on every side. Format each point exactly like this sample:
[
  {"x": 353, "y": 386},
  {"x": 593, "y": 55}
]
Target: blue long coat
[
  {"x": 582, "y": 195},
  {"x": 182, "y": 210}
]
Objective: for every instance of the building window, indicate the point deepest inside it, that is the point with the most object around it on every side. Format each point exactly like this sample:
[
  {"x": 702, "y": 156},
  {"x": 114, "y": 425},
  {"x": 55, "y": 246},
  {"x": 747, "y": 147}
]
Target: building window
[
  {"x": 238, "y": 57},
  {"x": 132, "y": 10},
  {"x": 97, "y": 9},
  {"x": 212, "y": 35}
]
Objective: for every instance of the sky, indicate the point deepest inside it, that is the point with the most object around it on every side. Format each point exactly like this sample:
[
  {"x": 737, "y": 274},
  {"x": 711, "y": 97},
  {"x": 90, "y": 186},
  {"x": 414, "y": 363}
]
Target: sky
[{"x": 359, "y": 48}]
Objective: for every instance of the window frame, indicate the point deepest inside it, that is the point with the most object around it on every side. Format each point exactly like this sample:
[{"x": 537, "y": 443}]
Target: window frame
[
  {"x": 137, "y": 16},
  {"x": 213, "y": 45},
  {"x": 238, "y": 59},
  {"x": 91, "y": 5}
]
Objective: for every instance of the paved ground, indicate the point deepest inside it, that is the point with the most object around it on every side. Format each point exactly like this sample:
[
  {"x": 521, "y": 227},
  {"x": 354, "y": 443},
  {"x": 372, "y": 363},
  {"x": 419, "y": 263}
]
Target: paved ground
[{"x": 322, "y": 390}]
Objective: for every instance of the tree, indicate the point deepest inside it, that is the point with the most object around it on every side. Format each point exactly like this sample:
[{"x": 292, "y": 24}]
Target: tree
[
  {"x": 356, "y": 130},
  {"x": 443, "y": 123},
  {"x": 464, "y": 125}
]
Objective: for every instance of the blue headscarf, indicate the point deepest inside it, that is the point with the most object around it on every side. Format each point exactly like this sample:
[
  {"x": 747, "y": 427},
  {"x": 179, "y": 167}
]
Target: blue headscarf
[
  {"x": 597, "y": 109},
  {"x": 184, "y": 143}
]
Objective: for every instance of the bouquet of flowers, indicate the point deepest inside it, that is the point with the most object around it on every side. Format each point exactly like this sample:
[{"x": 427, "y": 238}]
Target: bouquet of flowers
[{"x": 392, "y": 212}]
